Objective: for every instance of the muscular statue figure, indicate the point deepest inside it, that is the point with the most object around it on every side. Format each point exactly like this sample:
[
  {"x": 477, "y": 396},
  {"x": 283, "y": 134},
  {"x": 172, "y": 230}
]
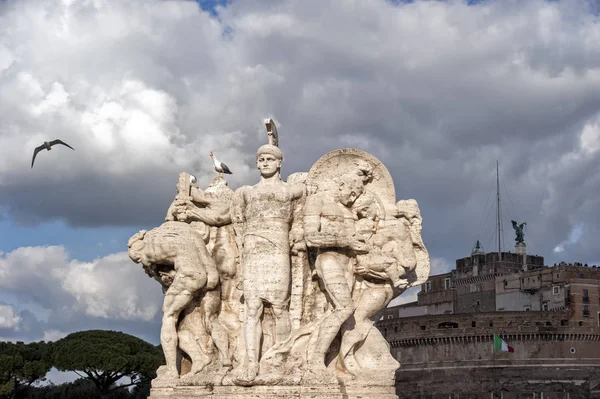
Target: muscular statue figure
[
  {"x": 180, "y": 245},
  {"x": 208, "y": 212},
  {"x": 262, "y": 217},
  {"x": 329, "y": 227}
]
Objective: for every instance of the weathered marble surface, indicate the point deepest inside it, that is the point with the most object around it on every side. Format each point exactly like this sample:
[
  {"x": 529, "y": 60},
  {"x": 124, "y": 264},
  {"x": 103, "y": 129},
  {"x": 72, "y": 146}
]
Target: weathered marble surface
[
  {"x": 273, "y": 290},
  {"x": 273, "y": 392}
]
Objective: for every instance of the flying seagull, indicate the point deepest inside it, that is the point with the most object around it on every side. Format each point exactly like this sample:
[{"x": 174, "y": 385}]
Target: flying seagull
[
  {"x": 219, "y": 166},
  {"x": 48, "y": 146}
]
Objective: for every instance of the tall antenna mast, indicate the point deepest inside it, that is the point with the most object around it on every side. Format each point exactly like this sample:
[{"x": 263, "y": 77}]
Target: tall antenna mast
[{"x": 498, "y": 196}]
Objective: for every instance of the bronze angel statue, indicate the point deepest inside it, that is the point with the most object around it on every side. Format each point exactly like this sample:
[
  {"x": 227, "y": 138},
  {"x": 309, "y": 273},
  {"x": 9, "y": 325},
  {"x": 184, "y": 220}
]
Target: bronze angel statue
[{"x": 519, "y": 231}]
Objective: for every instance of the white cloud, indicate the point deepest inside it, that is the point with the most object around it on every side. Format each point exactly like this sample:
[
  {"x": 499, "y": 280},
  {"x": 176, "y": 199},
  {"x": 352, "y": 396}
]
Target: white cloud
[
  {"x": 438, "y": 91},
  {"x": 590, "y": 138},
  {"x": 8, "y": 318},
  {"x": 558, "y": 249},
  {"x": 53, "y": 335},
  {"x": 112, "y": 287},
  {"x": 574, "y": 236}
]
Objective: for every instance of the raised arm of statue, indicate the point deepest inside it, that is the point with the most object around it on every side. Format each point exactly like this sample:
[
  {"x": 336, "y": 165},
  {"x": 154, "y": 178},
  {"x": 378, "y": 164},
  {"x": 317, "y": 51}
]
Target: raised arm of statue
[
  {"x": 198, "y": 196},
  {"x": 215, "y": 216}
]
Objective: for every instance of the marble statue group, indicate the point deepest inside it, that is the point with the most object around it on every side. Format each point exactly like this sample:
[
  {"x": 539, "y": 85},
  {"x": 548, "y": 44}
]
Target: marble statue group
[{"x": 278, "y": 285}]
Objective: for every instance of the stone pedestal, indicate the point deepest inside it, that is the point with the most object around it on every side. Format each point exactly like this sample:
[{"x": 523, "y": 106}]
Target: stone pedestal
[
  {"x": 273, "y": 392},
  {"x": 521, "y": 249}
]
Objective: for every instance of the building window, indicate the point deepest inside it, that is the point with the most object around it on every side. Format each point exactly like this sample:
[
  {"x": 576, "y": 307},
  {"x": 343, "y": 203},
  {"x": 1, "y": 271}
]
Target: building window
[
  {"x": 390, "y": 316},
  {"x": 555, "y": 290},
  {"x": 474, "y": 324},
  {"x": 423, "y": 327},
  {"x": 527, "y": 308},
  {"x": 544, "y": 306},
  {"x": 446, "y": 283},
  {"x": 581, "y": 275},
  {"x": 586, "y": 296},
  {"x": 448, "y": 324},
  {"x": 580, "y": 323},
  {"x": 564, "y": 323},
  {"x": 428, "y": 286},
  {"x": 586, "y": 310}
]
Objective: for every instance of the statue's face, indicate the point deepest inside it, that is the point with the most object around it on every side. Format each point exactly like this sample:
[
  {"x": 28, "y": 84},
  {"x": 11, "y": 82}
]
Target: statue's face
[
  {"x": 349, "y": 192},
  {"x": 367, "y": 211},
  {"x": 268, "y": 164},
  {"x": 136, "y": 251}
]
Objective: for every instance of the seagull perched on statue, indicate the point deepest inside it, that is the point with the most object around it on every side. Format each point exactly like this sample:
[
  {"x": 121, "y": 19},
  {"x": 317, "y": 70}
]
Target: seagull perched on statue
[
  {"x": 219, "y": 166},
  {"x": 48, "y": 146}
]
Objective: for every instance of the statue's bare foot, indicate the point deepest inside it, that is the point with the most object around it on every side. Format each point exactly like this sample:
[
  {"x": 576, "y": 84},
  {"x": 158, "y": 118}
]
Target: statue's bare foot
[
  {"x": 248, "y": 376},
  {"x": 167, "y": 373},
  {"x": 226, "y": 362},
  {"x": 317, "y": 373},
  {"x": 317, "y": 367},
  {"x": 227, "y": 366},
  {"x": 197, "y": 367}
]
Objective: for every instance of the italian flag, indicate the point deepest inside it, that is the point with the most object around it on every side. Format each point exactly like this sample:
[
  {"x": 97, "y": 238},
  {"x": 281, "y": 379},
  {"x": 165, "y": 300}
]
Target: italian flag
[{"x": 500, "y": 345}]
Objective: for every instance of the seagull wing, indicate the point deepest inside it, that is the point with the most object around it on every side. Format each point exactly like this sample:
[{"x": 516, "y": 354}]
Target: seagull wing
[
  {"x": 58, "y": 141},
  {"x": 35, "y": 152},
  {"x": 225, "y": 169}
]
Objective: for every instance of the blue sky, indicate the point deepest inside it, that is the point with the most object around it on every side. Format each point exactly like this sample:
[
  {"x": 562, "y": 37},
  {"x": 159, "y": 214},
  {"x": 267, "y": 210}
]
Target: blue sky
[
  {"x": 211, "y": 5},
  {"x": 438, "y": 91}
]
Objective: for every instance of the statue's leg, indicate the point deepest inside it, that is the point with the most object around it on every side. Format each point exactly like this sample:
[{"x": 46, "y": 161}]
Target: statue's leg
[
  {"x": 188, "y": 344},
  {"x": 253, "y": 309},
  {"x": 373, "y": 300},
  {"x": 212, "y": 304},
  {"x": 330, "y": 269},
  {"x": 175, "y": 300},
  {"x": 282, "y": 322}
]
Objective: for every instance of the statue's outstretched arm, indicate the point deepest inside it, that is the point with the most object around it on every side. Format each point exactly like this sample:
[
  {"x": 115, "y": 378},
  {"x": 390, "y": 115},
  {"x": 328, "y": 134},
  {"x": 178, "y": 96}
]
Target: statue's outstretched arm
[
  {"x": 219, "y": 216},
  {"x": 198, "y": 196}
]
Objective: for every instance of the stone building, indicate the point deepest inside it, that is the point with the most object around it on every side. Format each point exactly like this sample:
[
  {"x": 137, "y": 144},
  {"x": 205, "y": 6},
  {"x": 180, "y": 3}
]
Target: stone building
[{"x": 549, "y": 315}]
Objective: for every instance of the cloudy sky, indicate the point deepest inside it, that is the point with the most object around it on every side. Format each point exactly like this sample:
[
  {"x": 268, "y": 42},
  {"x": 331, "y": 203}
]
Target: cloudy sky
[{"x": 144, "y": 89}]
